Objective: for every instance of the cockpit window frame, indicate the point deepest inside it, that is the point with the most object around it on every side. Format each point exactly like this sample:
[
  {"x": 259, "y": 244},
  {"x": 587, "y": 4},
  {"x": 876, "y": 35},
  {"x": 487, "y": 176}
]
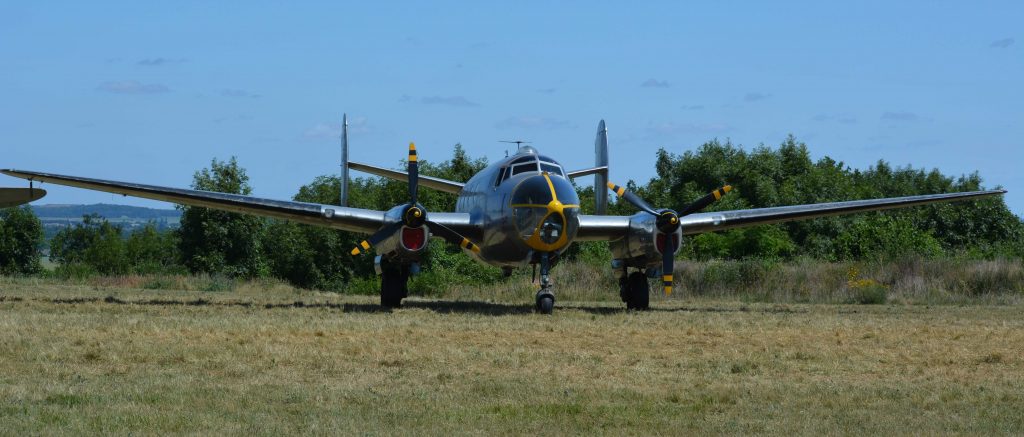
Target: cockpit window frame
[
  {"x": 525, "y": 167},
  {"x": 501, "y": 176},
  {"x": 557, "y": 169},
  {"x": 522, "y": 160}
]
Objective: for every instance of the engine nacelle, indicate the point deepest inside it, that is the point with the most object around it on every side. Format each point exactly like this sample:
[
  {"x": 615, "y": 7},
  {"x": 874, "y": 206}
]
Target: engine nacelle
[
  {"x": 643, "y": 245},
  {"x": 406, "y": 245}
]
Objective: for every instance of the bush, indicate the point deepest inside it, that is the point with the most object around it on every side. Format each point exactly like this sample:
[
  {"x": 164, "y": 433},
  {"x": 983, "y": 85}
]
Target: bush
[
  {"x": 868, "y": 292},
  {"x": 21, "y": 235}
]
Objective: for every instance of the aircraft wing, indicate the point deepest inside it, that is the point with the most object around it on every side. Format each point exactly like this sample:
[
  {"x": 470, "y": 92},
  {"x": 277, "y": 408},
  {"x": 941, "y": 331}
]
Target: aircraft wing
[
  {"x": 337, "y": 217},
  {"x": 596, "y": 227},
  {"x": 398, "y": 175},
  {"x": 19, "y": 196}
]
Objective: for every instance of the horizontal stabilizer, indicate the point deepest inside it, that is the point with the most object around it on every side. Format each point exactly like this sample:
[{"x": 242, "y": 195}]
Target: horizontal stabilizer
[
  {"x": 19, "y": 196},
  {"x": 587, "y": 172},
  {"x": 398, "y": 175}
]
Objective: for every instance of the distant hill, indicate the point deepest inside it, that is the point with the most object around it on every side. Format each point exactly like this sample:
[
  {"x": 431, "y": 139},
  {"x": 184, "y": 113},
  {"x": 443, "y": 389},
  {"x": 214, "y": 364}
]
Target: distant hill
[
  {"x": 110, "y": 212},
  {"x": 57, "y": 217}
]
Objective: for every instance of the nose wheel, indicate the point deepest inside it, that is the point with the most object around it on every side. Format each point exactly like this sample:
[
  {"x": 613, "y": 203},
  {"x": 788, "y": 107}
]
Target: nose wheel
[
  {"x": 546, "y": 296},
  {"x": 545, "y": 301}
]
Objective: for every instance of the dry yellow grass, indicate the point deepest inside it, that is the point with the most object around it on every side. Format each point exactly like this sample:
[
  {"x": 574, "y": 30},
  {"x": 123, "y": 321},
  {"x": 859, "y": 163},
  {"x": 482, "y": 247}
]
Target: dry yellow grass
[{"x": 253, "y": 361}]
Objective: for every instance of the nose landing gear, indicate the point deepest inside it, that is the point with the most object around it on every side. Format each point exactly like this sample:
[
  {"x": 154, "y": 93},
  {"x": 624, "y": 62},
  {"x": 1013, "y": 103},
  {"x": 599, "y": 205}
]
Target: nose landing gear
[{"x": 546, "y": 296}]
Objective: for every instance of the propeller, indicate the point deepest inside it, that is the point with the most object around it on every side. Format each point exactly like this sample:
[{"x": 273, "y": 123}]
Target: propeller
[
  {"x": 415, "y": 216},
  {"x": 667, "y": 221}
]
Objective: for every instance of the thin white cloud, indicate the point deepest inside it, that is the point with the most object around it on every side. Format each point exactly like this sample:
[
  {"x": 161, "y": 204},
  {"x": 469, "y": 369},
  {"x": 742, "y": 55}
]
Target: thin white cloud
[
  {"x": 1002, "y": 43},
  {"x": 655, "y": 83},
  {"x": 839, "y": 118},
  {"x": 332, "y": 130},
  {"x": 902, "y": 116},
  {"x": 132, "y": 87},
  {"x": 754, "y": 97},
  {"x": 449, "y": 101},
  {"x": 529, "y": 122},
  {"x": 238, "y": 93},
  {"x": 673, "y": 128},
  {"x": 157, "y": 62}
]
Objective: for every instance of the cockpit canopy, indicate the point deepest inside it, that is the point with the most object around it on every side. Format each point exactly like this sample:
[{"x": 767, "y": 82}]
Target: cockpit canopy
[{"x": 531, "y": 163}]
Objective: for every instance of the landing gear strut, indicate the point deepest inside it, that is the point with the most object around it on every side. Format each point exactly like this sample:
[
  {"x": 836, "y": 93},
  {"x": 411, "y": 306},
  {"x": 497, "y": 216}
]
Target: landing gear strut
[
  {"x": 546, "y": 296},
  {"x": 635, "y": 291},
  {"x": 394, "y": 280}
]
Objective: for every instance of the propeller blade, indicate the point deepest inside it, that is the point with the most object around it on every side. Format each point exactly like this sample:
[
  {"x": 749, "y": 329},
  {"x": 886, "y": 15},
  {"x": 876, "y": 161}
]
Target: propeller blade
[
  {"x": 667, "y": 266},
  {"x": 703, "y": 202},
  {"x": 632, "y": 198},
  {"x": 377, "y": 237},
  {"x": 414, "y": 173},
  {"x": 452, "y": 237}
]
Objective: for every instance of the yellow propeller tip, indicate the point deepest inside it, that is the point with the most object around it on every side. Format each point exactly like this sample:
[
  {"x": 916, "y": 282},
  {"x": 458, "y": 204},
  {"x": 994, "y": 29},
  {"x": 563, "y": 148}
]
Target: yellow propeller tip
[
  {"x": 611, "y": 185},
  {"x": 727, "y": 188}
]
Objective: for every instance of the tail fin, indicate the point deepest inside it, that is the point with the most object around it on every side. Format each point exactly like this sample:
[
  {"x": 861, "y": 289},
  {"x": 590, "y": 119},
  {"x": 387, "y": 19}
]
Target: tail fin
[
  {"x": 601, "y": 177},
  {"x": 343, "y": 177}
]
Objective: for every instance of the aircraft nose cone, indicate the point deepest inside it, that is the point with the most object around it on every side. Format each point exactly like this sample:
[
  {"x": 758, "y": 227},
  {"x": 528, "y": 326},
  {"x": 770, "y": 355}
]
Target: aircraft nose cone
[{"x": 545, "y": 212}]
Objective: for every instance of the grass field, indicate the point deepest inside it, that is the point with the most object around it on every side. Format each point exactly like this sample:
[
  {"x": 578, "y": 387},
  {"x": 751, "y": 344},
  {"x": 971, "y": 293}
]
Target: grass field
[{"x": 86, "y": 358}]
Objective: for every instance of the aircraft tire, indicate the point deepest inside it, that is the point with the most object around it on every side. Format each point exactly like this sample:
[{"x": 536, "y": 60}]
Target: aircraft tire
[
  {"x": 545, "y": 304},
  {"x": 639, "y": 292},
  {"x": 394, "y": 282}
]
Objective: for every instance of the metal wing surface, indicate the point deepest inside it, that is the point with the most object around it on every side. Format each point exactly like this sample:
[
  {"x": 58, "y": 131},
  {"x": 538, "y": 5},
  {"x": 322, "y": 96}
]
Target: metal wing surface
[
  {"x": 398, "y": 175},
  {"x": 596, "y": 227},
  {"x": 332, "y": 216},
  {"x": 19, "y": 196}
]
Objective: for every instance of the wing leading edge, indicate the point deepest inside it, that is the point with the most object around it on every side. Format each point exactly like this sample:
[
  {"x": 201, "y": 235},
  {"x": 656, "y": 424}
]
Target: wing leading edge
[
  {"x": 594, "y": 227},
  {"x": 332, "y": 216}
]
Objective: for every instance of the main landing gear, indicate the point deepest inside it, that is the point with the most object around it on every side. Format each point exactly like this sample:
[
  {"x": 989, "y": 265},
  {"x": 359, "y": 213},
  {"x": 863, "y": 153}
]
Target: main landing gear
[
  {"x": 635, "y": 291},
  {"x": 546, "y": 296},
  {"x": 394, "y": 281}
]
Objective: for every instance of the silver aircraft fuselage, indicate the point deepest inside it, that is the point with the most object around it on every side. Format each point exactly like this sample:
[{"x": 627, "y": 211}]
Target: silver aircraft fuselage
[{"x": 525, "y": 206}]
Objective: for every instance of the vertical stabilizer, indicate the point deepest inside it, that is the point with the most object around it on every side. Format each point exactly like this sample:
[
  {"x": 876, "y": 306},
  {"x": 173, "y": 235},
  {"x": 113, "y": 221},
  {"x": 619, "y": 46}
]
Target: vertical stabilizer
[
  {"x": 343, "y": 177},
  {"x": 601, "y": 178}
]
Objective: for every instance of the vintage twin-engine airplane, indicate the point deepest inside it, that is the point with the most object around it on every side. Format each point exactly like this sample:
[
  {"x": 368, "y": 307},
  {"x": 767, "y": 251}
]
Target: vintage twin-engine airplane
[{"x": 519, "y": 211}]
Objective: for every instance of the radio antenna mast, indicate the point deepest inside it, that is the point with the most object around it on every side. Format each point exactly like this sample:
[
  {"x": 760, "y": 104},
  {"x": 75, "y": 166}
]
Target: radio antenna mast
[{"x": 518, "y": 143}]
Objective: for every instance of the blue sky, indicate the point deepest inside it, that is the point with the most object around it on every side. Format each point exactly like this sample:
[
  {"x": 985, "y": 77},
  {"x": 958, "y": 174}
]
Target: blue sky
[{"x": 150, "y": 92}]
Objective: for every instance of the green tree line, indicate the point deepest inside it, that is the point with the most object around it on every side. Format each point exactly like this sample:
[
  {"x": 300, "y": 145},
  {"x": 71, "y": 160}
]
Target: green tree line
[{"x": 236, "y": 245}]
